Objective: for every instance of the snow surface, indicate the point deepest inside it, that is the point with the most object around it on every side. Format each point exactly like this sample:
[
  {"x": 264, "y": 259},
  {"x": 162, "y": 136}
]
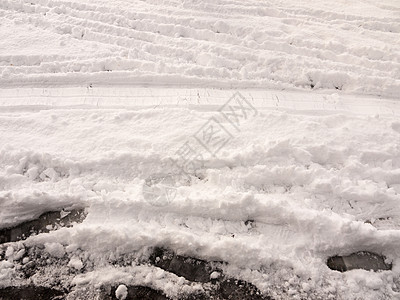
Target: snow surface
[
  {"x": 308, "y": 178},
  {"x": 304, "y": 175},
  {"x": 225, "y": 43}
]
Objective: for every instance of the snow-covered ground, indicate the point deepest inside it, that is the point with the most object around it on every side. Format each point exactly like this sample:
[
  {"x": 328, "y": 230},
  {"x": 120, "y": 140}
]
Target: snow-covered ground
[
  {"x": 308, "y": 178},
  {"x": 210, "y": 43},
  {"x": 293, "y": 159}
]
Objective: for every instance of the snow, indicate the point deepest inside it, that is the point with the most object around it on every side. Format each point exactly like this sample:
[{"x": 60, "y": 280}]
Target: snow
[
  {"x": 99, "y": 98},
  {"x": 121, "y": 292},
  {"x": 308, "y": 178},
  {"x": 269, "y": 44},
  {"x": 75, "y": 263},
  {"x": 55, "y": 249},
  {"x": 215, "y": 275}
]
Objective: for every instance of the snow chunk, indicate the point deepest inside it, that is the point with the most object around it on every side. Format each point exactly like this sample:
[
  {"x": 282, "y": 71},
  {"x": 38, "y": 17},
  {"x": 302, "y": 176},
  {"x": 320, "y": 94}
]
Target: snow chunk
[
  {"x": 215, "y": 275},
  {"x": 9, "y": 251},
  {"x": 121, "y": 292},
  {"x": 75, "y": 263},
  {"x": 55, "y": 249}
]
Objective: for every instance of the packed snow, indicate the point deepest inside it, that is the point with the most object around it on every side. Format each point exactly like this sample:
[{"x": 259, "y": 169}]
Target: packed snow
[
  {"x": 276, "y": 44},
  {"x": 263, "y": 134},
  {"x": 312, "y": 182}
]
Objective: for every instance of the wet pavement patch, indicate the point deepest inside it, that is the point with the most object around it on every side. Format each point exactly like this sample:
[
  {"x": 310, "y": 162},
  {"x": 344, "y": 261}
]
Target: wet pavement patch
[
  {"x": 216, "y": 284},
  {"x": 227, "y": 289},
  {"x": 207, "y": 276},
  {"x": 238, "y": 289},
  {"x": 45, "y": 223},
  {"x": 136, "y": 293},
  {"x": 230, "y": 289},
  {"x": 30, "y": 293},
  {"x": 192, "y": 269},
  {"x": 359, "y": 260}
]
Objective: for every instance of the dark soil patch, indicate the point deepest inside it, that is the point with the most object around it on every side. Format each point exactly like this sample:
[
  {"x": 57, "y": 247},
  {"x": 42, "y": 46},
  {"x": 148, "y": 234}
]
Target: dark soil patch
[
  {"x": 55, "y": 219},
  {"x": 191, "y": 268},
  {"x": 359, "y": 260},
  {"x": 136, "y": 293}
]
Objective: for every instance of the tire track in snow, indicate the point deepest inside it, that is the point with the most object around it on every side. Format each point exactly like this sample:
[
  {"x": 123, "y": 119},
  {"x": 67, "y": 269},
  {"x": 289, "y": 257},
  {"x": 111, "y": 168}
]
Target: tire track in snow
[{"x": 210, "y": 40}]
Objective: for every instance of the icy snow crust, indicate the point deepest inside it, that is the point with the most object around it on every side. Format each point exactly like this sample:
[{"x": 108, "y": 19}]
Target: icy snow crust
[
  {"x": 268, "y": 44},
  {"x": 305, "y": 178}
]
